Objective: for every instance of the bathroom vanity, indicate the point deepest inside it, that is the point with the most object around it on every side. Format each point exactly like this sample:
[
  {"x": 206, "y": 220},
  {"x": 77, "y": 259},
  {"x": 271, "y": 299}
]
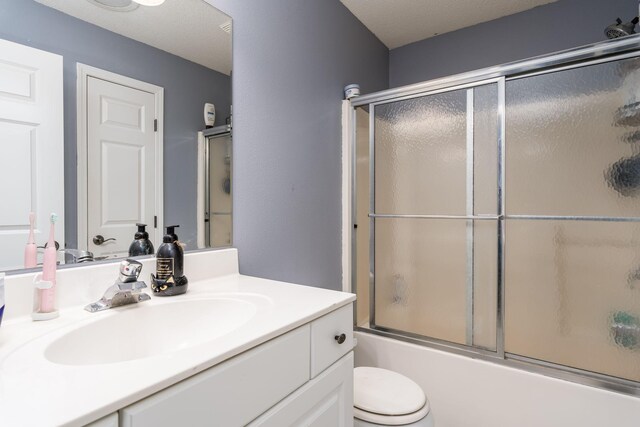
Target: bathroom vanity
[{"x": 234, "y": 350}]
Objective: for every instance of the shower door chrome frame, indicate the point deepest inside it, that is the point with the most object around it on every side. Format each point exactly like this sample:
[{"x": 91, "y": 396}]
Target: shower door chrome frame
[
  {"x": 469, "y": 211},
  {"x": 566, "y": 59},
  {"x": 606, "y": 51}
]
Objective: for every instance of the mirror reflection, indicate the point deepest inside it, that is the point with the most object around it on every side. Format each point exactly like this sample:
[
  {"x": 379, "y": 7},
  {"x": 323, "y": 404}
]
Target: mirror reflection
[
  {"x": 217, "y": 212},
  {"x": 116, "y": 117}
]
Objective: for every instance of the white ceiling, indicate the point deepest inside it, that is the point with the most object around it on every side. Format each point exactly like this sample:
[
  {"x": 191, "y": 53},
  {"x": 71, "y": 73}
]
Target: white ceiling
[
  {"x": 189, "y": 29},
  {"x": 400, "y": 22}
]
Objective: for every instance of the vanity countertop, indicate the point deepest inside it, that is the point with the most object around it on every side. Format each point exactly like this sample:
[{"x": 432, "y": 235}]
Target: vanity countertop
[{"x": 37, "y": 392}]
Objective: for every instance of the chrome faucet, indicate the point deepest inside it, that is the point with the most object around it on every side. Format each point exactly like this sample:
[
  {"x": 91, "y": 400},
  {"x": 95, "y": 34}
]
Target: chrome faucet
[
  {"x": 126, "y": 290},
  {"x": 76, "y": 256}
]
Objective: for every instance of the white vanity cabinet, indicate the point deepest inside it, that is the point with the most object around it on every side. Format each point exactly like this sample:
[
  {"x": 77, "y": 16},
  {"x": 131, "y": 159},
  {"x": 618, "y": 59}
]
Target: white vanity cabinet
[{"x": 303, "y": 377}]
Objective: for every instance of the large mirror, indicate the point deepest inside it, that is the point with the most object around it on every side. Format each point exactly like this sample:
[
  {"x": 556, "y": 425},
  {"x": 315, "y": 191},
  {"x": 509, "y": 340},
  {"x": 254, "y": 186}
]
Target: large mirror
[{"x": 105, "y": 120}]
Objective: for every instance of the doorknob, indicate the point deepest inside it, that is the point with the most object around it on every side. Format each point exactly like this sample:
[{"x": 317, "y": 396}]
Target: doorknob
[{"x": 98, "y": 239}]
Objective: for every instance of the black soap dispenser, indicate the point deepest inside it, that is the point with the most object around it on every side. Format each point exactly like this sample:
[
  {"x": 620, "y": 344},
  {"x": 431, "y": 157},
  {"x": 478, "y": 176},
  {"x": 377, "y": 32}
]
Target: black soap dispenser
[
  {"x": 141, "y": 244},
  {"x": 169, "y": 278}
]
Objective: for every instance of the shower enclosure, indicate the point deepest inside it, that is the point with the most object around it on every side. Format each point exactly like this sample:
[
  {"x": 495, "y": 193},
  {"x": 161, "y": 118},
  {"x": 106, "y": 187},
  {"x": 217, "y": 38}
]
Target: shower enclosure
[
  {"x": 218, "y": 197},
  {"x": 497, "y": 214}
]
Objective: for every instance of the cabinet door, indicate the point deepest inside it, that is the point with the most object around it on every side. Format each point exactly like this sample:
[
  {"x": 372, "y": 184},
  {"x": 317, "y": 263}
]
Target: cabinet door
[
  {"x": 324, "y": 401},
  {"x": 108, "y": 421}
]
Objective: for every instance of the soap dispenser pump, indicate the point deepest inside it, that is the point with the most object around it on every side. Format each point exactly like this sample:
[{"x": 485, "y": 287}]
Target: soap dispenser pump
[
  {"x": 141, "y": 244},
  {"x": 169, "y": 278}
]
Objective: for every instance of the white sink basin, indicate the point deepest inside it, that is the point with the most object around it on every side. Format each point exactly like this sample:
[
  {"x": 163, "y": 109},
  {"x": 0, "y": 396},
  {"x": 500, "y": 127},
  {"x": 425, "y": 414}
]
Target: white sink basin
[{"x": 140, "y": 331}]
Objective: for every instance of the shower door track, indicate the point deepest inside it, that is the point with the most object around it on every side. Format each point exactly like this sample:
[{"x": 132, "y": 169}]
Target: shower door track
[
  {"x": 606, "y": 51},
  {"x": 563, "y": 60}
]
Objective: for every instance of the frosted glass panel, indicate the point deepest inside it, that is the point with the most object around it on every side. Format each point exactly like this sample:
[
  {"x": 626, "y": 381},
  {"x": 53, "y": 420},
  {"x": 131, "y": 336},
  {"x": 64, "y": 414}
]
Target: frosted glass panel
[
  {"x": 362, "y": 217},
  {"x": 421, "y": 279},
  {"x": 485, "y": 281},
  {"x": 573, "y": 294},
  {"x": 573, "y": 142},
  {"x": 485, "y": 153},
  {"x": 420, "y": 156}
]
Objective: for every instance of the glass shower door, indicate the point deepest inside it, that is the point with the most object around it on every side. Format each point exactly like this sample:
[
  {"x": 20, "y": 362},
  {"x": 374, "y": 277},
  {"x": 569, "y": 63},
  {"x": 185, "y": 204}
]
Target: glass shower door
[
  {"x": 573, "y": 210},
  {"x": 434, "y": 210},
  {"x": 501, "y": 219}
]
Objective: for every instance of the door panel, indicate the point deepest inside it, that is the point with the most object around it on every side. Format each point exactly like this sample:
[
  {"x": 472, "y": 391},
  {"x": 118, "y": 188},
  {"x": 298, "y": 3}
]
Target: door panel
[
  {"x": 31, "y": 147},
  {"x": 128, "y": 159},
  {"x": 121, "y": 164}
]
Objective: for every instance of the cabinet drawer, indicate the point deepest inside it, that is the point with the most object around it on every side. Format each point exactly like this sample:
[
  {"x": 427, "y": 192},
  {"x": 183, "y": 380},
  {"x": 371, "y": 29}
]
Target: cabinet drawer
[
  {"x": 232, "y": 393},
  {"x": 325, "y": 349}
]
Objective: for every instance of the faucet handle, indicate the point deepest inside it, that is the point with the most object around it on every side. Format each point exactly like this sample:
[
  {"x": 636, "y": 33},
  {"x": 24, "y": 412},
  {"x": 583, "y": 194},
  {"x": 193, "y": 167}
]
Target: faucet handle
[{"x": 129, "y": 271}]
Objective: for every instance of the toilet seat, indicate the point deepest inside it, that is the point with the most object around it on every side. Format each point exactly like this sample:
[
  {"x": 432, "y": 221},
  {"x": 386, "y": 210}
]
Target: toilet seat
[
  {"x": 391, "y": 420},
  {"x": 386, "y": 397}
]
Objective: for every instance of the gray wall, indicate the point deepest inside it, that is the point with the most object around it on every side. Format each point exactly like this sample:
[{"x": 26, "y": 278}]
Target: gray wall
[
  {"x": 292, "y": 59},
  {"x": 544, "y": 29},
  {"x": 187, "y": 86}
]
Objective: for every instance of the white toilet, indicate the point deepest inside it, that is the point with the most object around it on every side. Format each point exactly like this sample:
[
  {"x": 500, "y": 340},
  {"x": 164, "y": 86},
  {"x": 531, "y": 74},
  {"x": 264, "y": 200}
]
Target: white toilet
[{"x": 383, "y": 397}]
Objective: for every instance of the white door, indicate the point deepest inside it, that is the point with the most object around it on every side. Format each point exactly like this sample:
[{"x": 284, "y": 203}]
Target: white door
[
  {"x": 31, "y": 148},
  {"x": 121, "y": 165}
]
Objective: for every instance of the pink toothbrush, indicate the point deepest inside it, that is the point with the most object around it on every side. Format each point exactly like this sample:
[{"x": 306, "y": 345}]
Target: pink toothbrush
[
  {"x": 47, "y": 296},
  {"x": 31, "y": 251}
]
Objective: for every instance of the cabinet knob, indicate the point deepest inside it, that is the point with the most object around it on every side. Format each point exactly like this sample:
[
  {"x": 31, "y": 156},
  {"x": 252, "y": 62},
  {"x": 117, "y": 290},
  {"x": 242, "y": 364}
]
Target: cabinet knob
[{"x": 340, "y": 338}]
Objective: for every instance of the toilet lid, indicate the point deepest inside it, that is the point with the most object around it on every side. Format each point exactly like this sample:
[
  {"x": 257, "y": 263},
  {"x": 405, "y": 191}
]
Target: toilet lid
[{"x": 386, "y": 392}]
